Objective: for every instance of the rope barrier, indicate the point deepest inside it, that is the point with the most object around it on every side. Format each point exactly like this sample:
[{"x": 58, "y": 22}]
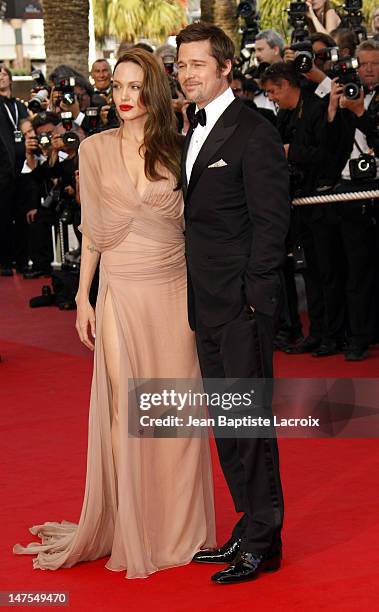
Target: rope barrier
[{"x": 336, "y": 197}]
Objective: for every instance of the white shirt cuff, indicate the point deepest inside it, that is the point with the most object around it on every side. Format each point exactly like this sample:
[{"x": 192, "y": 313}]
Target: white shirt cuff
[
  {"x": 324, "y": 88},
  {"x": 79, "y": 119}
]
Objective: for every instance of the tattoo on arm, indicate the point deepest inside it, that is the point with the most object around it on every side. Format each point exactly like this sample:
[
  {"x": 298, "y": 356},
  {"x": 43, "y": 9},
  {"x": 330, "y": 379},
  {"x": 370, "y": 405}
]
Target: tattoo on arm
[{"x": 91, "y": 248}]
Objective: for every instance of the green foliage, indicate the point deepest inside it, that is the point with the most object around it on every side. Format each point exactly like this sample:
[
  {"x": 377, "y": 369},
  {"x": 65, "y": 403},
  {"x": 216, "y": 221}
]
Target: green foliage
[
  {"x": 131, "y": 20},
  {"x": 20, "y": 72}
]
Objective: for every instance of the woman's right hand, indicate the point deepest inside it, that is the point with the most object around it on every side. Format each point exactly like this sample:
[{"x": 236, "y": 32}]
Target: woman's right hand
[{"x": 85, "y": 319}]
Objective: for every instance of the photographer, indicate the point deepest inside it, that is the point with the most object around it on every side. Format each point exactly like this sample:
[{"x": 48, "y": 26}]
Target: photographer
[
  {"x": 101, "y": 73},
  {"x": 319, "y": 52},
  {"x": 12, "y": 231},
  {"x": 269, "y": 47},
  {"x": 106, "y": 118},
  {"x": 53, "y": 170},
  {"x": 71, "y": 92},
  {"x": 302, "y": 126},
  {"x": 355, "y": 139}
]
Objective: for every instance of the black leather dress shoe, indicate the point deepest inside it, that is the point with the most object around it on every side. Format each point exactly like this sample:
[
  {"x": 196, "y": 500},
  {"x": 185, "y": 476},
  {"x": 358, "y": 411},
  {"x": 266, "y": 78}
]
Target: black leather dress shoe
[
  {"x": 284, "y": 340},
  {"x": 247, "y": 566},
  {"x": 354, "y": 352},
  {"x": 326, "y": 349},
  {"x": 305, "y": 345},
  {"x": 224, "y": 554}
]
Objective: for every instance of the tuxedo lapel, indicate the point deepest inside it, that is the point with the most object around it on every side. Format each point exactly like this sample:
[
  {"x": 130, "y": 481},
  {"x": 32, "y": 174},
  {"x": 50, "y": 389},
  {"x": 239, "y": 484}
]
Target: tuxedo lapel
[{"x": 219, "y": 134}]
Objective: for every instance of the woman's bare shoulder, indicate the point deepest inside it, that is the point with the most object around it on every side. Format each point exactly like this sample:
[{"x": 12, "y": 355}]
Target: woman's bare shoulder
[{"x": 98, "y": 139}]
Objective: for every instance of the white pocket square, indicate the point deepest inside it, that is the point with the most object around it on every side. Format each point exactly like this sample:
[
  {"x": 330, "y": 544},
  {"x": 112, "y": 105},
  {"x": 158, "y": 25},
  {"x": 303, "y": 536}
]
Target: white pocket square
[{"x": 218, "y": 164}]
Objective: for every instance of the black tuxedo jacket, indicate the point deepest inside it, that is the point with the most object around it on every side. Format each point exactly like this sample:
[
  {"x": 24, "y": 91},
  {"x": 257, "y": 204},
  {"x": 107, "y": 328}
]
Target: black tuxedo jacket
[{"x": 237, "y": 218}]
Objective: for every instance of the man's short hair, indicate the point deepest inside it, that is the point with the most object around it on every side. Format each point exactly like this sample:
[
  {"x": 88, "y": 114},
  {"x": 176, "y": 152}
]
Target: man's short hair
[
  {"x": 239, "y": 76},
  {"x": 368, "y": 45},
  {"x": 165, "y": 50},
  {"x": 273, "y": 39},
  {"x": 325, "y": 39},
  {"x": 281, "y": 71},
  {"x": 44, "y": 118},
  {"x": 222, "y": 47},
  {"x": 143, "y": 45},
  {"x": 102, "y": 60},
  {"x": 346, "y": 39}
]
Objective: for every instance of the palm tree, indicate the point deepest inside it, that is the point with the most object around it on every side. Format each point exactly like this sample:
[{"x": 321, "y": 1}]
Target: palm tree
[
  {"x": 221, "y": 13},
  {"x": 130, "y": 20},
  {"x": 66, "y": 33}
]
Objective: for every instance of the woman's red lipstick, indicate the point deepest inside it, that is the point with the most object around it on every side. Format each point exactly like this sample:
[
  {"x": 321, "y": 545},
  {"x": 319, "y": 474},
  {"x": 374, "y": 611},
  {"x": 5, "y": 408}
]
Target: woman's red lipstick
[{"x": 125, "y": 107}]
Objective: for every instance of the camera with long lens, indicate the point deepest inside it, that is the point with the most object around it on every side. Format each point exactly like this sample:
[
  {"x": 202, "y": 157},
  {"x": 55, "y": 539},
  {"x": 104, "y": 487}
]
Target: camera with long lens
[
  {"x": 65, "y": 87},
  {"x": 297, "y": 19},
  {"x": 328, "y": 54},
  {"x": 40, "y": 92},
  {"x": 247, "y": 11},
  {"x": 304, "y": 56},
  {"x": 345, "y": 69},
  {"x": 70, "y": 139},
  {"x": 353, "y": 19}
]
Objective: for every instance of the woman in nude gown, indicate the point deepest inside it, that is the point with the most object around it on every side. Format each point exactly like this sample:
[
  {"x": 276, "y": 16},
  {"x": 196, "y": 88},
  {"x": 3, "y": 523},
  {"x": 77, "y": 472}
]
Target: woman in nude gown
[{"x": 148, "y": 503}]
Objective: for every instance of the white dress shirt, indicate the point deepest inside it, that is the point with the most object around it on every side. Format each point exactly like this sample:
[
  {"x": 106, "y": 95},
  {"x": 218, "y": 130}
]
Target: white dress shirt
[{"x": 213, "y": 111}]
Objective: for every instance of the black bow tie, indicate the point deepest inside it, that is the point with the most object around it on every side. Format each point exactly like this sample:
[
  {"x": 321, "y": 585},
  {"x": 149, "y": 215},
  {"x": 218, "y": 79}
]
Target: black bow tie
[{"x": 196, "y": 118}]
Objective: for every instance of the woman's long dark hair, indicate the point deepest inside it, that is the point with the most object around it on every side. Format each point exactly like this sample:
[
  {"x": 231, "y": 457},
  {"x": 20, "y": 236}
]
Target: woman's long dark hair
[
  {"x": 162, "y": 143},
  {"x": 327, "y": 6}
]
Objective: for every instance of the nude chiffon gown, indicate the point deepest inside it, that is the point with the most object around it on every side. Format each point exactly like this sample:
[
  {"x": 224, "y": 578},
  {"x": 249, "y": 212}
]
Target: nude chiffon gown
[{"x": 154, "y": 508}]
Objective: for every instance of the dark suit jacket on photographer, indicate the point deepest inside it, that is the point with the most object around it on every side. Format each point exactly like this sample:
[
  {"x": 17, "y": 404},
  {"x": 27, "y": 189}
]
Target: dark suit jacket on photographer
[
  {"x": 342, "y": 133},
  {"x": 304, "y": 129}
]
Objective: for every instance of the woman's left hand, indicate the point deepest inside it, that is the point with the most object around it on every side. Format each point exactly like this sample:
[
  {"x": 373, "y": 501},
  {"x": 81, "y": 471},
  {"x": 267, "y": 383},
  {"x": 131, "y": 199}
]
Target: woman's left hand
[{"x": 310, "y": 11}]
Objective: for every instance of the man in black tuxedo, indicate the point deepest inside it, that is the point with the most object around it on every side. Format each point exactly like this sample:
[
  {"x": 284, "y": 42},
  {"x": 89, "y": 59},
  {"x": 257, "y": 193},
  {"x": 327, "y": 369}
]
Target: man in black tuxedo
[{"x": 235, "y": 183}]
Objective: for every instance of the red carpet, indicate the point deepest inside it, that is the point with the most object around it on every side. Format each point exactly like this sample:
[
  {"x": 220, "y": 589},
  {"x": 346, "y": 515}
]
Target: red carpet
[{"x": 331, "y": 492}]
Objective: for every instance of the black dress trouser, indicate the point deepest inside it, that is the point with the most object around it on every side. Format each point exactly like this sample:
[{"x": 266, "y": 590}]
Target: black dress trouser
[
  {"x": 346, "y": 256},
  {"x": 242, "y": 348}
]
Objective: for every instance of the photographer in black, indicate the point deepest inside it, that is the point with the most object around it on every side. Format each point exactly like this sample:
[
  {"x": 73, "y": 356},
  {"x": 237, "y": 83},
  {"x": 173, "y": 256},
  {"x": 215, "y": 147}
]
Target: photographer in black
[
  {"x": 71, "y": 92},
  {"x": 12, "y": 225},
  {"x": 302, "y": 125},
  {"x": 347, "y": 250},
  {"x": 52, "y": 158},
  {"x": 105, "y": 118}
]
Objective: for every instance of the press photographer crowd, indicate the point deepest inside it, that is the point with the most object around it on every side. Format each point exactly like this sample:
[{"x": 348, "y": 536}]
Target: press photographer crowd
[{"x": 320, "y": 88}]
